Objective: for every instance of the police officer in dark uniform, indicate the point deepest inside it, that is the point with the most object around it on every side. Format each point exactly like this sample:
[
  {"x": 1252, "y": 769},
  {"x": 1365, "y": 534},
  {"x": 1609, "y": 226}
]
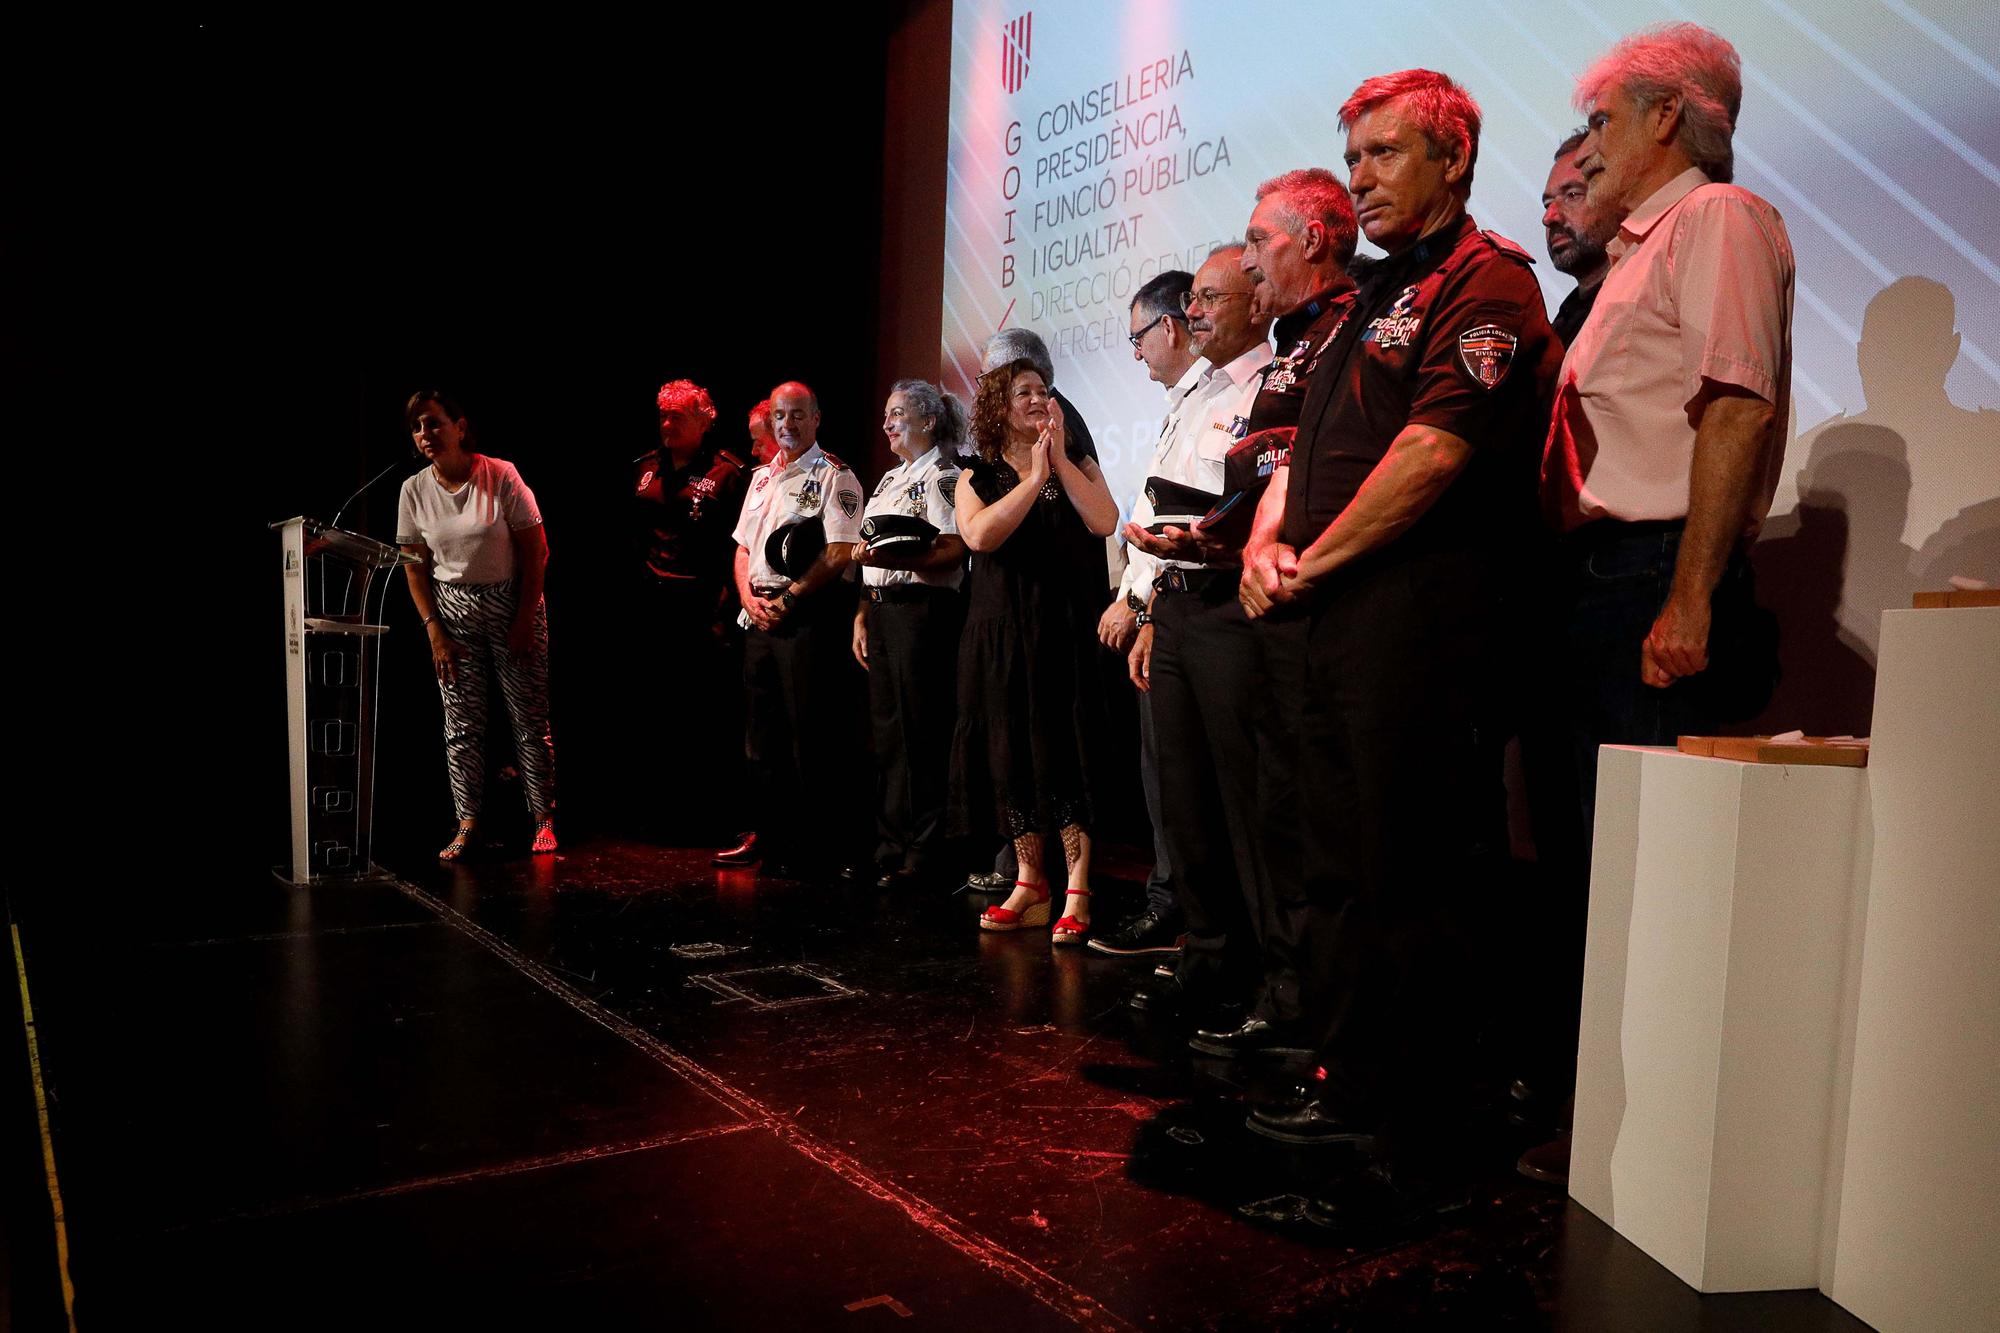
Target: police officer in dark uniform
[
  {"x": 1410, "y": 488},
  {"x": 1297, "y": 245},
  {"x": 686, "y": 493}
]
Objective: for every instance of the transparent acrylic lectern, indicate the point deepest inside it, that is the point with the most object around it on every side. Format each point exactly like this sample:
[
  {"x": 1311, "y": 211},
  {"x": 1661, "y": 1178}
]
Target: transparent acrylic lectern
[{"x": 333, "y": 645}]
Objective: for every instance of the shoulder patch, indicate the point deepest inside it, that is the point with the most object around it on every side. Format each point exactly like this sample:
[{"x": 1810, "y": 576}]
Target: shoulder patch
[
  {"x": 1487, "y": 353},
  {"x": 947, "y": 484}
]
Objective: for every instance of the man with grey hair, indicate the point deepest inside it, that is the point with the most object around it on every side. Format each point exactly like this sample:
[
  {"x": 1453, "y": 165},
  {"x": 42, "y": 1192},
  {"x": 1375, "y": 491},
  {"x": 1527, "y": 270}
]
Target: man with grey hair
[
  {"x": 1668, "y": 427},
  {"x": 1027, "y": 345},
  {"x": 1665, "y": 446},
  {"x": 1296, "y": 248},
  {"x": 1161, "y": 342}
]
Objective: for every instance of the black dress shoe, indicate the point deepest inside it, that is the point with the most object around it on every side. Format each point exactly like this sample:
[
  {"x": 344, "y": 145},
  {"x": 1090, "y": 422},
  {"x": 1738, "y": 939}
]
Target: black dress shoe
[
  {"x": 1374, "y": 1206},
  {"x": 1146, "y": 933},
  {"x": 1308, "y": 1124},
  {"x": 1255, "y": 1038},
  {"x": 1161, "y": 995},
  {"x": 1169, "y": 999},
  {"x": 743, "y": 854},
  {"x": 1548, "y": 1162}
]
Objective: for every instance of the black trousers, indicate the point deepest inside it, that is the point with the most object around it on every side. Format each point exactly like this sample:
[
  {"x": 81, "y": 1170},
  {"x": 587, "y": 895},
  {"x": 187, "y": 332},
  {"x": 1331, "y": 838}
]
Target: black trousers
[
  {"x": 1279, "y": 639},
  {"x": 1204, "y": 701},
  {"x": 690, "y": 688},
  {"x": 801, "y": 735},
  {"x": 1405, "y": 832},
  {"x": 912, "y": 704}
]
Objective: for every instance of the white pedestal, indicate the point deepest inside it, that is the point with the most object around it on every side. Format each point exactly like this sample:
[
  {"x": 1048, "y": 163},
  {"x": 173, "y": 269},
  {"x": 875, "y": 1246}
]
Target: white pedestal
[
  {"x": 1721, "y": 904},
  {"x": 1918, "y": 1205}
]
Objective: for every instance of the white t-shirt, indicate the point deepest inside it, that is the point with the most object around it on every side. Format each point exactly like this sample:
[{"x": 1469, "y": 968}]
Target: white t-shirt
[{"x": 469, "y": 532}]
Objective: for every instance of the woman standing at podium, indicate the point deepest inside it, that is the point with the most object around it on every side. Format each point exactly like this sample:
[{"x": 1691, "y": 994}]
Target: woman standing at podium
[{"x": 472, "y": 524}]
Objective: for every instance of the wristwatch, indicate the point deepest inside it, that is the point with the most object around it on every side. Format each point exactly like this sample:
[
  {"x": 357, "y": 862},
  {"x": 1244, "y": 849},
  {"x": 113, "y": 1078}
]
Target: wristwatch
[
  {"x": 1132, "y": 603},
  {"x": 1145, "y": 618},
  {"x": 788, "y": 598}
]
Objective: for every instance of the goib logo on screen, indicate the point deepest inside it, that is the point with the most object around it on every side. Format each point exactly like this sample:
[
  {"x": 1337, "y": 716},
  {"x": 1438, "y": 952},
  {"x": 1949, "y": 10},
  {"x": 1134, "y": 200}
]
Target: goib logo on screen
[{"x": 1015, "y": 38}]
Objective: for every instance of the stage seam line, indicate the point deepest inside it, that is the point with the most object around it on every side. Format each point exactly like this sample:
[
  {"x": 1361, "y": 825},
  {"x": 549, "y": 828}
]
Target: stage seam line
[
  {"x": 1071, "y": 1303},
  {"x": 285, "y": 935},
  {"x": 514, "y": 1168},
  {"x": 42, "y": 1120}
]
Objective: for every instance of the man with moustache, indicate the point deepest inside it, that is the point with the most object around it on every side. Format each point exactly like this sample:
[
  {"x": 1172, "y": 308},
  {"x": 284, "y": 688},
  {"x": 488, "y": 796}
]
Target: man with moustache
[
  {"x": 801, "y": 736},
  {"x": 1295, "y": 255},
  {"x": 1574, "y": 246},
  {"x": 1409, "y": 491},
  {"x": 1192, "y": 658},
  {"x": 1551, "y": 922}
]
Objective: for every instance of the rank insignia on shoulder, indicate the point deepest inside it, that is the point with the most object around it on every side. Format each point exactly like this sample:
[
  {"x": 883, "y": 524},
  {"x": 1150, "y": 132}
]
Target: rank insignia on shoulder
[
  {"x": 646, "y": 479},
  {"x": 1487, "y": 353},
  {"x": 1507, "y": 247},
  {"x": 831, "y": 459},
  {"x": 725, "y": 457}
]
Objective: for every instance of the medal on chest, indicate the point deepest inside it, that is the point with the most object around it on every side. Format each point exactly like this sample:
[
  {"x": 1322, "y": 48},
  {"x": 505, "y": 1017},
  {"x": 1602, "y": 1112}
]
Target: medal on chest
[
  {"x": 914, "y": 500},
  {"x": 809, "y": 499},
  {"x": 1398, "y": 325},
  {"x": 699, "y": 494}
]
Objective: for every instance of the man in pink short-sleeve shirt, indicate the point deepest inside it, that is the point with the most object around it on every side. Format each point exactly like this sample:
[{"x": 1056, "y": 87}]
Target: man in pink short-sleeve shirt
[
  {"x": 1669, "y": 420},
  {"x": 1663, "y": 447}
]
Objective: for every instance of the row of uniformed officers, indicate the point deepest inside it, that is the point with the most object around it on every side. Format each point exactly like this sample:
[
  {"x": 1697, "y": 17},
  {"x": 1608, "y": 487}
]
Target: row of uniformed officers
[{"x": 1368, "y": 553}]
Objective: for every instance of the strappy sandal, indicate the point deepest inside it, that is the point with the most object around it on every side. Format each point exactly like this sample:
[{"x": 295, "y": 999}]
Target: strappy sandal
[
  {"x": 1034, "y": 914},
  {"x": 1069, "y": 930},
  {"x": 460, "y": 845},
  {"x": 545, "y": 837}
]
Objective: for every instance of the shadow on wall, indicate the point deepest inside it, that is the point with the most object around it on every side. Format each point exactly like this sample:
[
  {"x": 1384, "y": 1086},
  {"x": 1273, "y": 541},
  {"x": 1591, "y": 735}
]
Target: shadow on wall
[{"x": 1897, "y": 498}]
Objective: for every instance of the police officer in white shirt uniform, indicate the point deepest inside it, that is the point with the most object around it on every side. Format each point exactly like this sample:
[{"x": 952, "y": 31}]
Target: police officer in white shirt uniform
[
  {"x": 801, "y": 738},
  {"x": 906, "y": 632},
  {"x": 1194, "y": 655}
]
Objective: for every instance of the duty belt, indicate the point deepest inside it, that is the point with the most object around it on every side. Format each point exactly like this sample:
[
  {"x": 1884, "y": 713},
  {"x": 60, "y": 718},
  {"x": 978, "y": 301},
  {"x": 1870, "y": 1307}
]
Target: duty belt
[
  {"x": 907, "y": 592},
  {"x": 1177, "y": 579}
]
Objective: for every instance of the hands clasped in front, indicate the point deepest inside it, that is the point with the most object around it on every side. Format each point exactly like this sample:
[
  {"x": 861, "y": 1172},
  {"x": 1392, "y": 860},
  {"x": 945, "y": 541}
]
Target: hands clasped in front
[{"x": 1273, "y": 576}]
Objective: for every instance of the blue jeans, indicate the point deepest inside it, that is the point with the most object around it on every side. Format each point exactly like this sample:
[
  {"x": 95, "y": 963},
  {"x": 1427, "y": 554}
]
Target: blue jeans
[{"x": 1618, "y": 577}]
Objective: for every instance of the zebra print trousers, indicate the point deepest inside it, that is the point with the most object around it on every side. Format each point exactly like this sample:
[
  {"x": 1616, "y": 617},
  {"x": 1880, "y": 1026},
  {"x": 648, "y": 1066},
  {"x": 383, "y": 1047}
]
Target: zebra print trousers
[{"x": 478, "y": 617}]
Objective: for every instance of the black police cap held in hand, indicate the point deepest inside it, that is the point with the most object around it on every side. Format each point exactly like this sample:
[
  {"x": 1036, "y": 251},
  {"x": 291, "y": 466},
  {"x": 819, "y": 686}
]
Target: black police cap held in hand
[
  {"x": 792, "y": 549},
  {"x": 1176, "y": 505},
  {"x": 897, "y": 541}
]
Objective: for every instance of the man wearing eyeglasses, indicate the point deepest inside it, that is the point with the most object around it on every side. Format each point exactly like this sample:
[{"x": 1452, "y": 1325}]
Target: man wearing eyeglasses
[
  {"x": 1160, "y": 341},
  {"x": 1194, "y": 660},
  {"x": 1297, "y": 246},
  {"x": 1575, "y": 245}
]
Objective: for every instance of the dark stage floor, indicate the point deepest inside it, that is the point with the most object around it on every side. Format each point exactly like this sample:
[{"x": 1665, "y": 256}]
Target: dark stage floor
[{"x": 617, "y": 1089}]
